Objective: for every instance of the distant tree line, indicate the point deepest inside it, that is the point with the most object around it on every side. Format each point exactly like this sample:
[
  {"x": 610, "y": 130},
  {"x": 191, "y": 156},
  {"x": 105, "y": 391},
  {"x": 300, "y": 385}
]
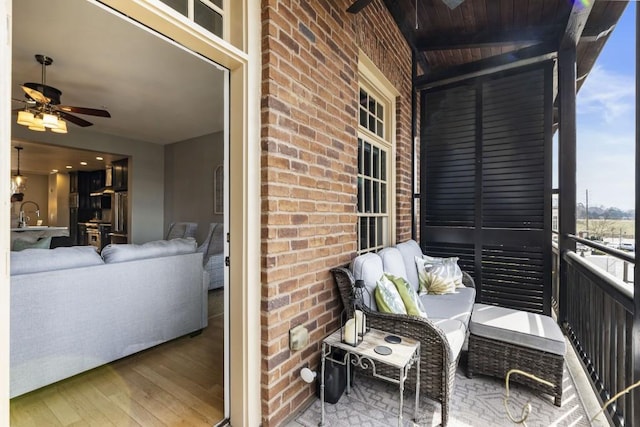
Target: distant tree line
[{"x": 602, "y": 212}]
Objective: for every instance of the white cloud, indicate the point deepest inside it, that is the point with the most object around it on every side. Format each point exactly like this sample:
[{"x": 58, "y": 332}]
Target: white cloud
[{"x": 607, "y": 94}]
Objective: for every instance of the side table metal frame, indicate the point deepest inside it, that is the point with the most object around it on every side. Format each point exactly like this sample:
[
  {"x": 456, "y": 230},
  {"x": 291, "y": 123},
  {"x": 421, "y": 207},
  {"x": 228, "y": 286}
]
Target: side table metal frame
[{"x": 353, "y": 356}]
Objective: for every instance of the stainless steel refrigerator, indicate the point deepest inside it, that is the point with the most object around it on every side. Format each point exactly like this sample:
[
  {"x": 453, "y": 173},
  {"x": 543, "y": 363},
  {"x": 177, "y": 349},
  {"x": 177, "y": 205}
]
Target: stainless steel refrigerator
[{"x": 119, "y": 217}]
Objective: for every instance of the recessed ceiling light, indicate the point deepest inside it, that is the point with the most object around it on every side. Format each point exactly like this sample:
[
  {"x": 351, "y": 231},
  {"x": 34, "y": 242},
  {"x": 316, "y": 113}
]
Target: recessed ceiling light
[
  {"x": 69, "y": 167},
  {"x": 54, "y": 170},
  {"x": 83, "y": 163},
  {"x": 99, "y": 158}
]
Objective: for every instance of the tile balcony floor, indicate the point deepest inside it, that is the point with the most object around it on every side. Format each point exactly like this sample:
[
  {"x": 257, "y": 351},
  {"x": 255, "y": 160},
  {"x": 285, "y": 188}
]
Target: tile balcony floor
[{"x": 475, "y": 402}]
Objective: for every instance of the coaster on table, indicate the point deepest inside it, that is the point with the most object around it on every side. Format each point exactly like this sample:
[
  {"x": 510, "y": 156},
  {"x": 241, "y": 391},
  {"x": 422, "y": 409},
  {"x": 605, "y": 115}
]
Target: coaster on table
[
  {"x": 393, "y": 339},
  {"x": 382, "y": 350}
]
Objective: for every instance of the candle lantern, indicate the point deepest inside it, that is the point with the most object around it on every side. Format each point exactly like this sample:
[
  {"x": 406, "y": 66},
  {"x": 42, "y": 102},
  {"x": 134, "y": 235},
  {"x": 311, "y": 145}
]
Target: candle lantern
[{"x": 353, "y": 318}]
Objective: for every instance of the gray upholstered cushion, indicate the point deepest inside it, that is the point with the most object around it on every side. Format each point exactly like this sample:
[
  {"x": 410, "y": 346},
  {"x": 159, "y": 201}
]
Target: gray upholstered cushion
[
  {"x": 455, "y": 332},
  {"x": 457, "y": 305},
  {"x": 22, "y": 244},
  {"x": 37, "y": 260},
  {"x": 368, "y": 267},
  {"x": 393, "y": 263},
  {"x": 409, "y": 250},
  {"x": 159, "y": 248},
  {"x": 517, "y": 327}
]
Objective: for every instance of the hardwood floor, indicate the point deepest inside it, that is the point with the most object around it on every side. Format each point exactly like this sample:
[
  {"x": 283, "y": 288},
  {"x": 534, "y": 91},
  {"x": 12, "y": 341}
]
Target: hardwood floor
[{"x": 179, "y": 383}]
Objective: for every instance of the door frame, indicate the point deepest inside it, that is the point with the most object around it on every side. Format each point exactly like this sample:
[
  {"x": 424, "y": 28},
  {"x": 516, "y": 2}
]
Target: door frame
[{"x": 242, "y": 58}]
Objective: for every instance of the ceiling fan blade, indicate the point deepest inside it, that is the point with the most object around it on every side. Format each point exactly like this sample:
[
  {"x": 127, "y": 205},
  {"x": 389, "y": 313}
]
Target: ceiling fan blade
[
  {"x": 83, "y": 110},
  {"x": 75, "y": 119},
  {"x": 358, "y": 5},
  {"x": 36, "y": 95}
]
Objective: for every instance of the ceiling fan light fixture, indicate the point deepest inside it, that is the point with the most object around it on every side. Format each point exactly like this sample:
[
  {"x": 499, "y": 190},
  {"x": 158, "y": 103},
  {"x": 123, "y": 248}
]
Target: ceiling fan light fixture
[
  {"x": 37, "y": 125},
  {"x": 25, "y": 118},
  {"x": 49, "y": 120},
  {"x": 61, "y": 128}
]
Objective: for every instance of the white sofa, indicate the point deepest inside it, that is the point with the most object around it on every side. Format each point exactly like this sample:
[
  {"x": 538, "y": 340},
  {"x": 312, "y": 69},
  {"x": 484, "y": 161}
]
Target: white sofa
[
  {"x": 442, "y": 334},
  {"x": 73, "y": 309}
]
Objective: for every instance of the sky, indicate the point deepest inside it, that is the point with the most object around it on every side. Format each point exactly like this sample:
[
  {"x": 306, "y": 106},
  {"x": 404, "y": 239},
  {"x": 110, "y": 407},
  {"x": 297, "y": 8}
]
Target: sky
[{"x": 606, "y": 122}]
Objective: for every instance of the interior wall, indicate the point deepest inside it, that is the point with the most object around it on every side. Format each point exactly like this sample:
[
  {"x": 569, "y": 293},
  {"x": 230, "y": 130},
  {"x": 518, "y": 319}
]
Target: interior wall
[
  {"x": 58, "y": 210},
  {"x": 146, "y": 173},
  {"x": 189, "y": 181}
]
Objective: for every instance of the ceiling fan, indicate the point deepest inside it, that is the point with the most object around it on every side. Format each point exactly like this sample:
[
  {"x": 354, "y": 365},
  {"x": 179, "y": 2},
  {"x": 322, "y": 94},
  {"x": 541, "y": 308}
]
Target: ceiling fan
[
  {"x": 42, "y": 102},
  {"x": 358, "y": 5}
]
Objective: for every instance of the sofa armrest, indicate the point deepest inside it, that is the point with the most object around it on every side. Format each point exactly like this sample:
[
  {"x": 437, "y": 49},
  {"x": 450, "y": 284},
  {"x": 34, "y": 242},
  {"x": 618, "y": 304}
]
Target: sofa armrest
[{"x": 467, "y": 280}]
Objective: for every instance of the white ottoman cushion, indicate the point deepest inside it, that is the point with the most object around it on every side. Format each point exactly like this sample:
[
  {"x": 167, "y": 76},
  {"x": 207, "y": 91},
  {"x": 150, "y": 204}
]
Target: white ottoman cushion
[{"x": 517, "y": 327}]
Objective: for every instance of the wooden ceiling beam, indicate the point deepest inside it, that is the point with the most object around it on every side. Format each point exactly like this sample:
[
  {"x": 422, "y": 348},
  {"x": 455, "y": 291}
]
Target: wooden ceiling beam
[
  {"x": 488, "y": 39},
  {"x": 575, "y": 24},
  {"x": 518, "y": 58}
]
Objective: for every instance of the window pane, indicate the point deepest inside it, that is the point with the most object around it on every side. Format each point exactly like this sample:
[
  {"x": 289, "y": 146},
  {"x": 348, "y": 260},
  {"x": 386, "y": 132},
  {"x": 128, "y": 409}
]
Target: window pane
[
  {"x": 359, "y": 156},
  {"x": 383, "y": 198},
  {"x": 363, "y": 99},
  {"x": 372, "y": 232},
  {"x": 367, "y": 159},
  {"x": 376, "y": 162},
  {"x": 380, "y": 111},
  {"x": 217, "y": 3},
  {"x": 372, "y": 124},
  {"x": 372, "y": 106},
  {"x": 367, "y": 195},
  {"x": 179, "y": 5},
  {"x": 380, "y": 129},
  {"x": 376, "y": 197},
  {"x": 208, "y": 18},
  {"x": 380, "y": 231},
  {"x": 383, "y": 165},
  {"x": 363, "y": 117},
  {"x": 360, "y": 193},
  {"x": 363, "y": 233}
]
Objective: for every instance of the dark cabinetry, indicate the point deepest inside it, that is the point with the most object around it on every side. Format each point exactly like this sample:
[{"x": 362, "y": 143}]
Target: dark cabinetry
[
  {"x": 120, "y": 174},
  {"x": 82, "y": 235}
]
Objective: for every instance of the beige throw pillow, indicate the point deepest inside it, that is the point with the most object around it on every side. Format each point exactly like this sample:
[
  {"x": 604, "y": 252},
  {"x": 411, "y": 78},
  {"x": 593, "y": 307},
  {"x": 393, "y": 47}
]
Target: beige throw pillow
[{"x": 433, "y": 278}]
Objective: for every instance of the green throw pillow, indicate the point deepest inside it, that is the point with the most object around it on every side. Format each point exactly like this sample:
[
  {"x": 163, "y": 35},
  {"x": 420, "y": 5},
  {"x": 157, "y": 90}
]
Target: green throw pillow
[
  {"x": 388, "y": 298},
  {"x": 21, "y": 244},
  {"x": 433, "y": 278},
  {"x": 409, "y": 296}
]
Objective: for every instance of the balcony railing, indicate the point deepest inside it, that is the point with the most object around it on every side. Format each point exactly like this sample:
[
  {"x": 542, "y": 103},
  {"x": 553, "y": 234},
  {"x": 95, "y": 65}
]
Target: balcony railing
[{"x": 599, "y": 324}]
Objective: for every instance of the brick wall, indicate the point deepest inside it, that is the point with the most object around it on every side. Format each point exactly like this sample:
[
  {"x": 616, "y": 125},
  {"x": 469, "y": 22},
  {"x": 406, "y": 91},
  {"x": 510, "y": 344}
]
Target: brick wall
[{"x": 309, "y": 154}]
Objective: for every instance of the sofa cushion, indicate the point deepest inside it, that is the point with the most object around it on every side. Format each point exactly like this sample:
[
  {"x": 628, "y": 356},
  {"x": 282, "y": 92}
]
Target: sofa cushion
[
  {"x": 38, "y": 260},
  {"x": 457, "y": 305},
  {"x": 22, "y": 244},
  {"x": 517, "y": 327},
  {"x": 410, "y": 298},
  {"x": 409, "y": 250},
  {"x": 392, "y": 262},
  {"x": 368, "y": 267},
  {"x": 388, "y": 298},
  {"x": 456, "y": 333},
  {"x": 159, "y": 248}
]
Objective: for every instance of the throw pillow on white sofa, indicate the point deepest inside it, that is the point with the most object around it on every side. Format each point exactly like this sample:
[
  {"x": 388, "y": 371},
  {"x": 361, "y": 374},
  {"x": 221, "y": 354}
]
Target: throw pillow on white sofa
[{"x": 159, "y": 248}]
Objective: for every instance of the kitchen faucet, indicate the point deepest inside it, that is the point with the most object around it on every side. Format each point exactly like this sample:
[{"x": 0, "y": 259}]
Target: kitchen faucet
[{"x": 22, "y": 220}]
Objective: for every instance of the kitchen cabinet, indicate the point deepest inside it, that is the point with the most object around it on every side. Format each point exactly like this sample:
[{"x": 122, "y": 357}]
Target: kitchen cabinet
[
  {"x": 120, "y": 174},
  {"x": 73, "y": 182},
  {"x": 82, "y": 235}
]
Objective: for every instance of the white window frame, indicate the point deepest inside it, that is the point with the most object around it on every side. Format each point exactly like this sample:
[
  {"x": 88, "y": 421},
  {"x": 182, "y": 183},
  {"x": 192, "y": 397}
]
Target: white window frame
[
  {"x": 377, "y": 85},
  {"x": 191, "y": 14}
]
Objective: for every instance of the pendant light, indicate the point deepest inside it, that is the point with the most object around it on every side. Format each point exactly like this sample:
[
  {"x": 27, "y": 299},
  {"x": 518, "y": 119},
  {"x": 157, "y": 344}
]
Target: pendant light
[{"x": 18, "y": 182}]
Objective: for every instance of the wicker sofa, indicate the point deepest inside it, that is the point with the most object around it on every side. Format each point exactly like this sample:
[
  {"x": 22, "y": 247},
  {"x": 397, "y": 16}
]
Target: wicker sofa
[{"x": 442, "y": 334}]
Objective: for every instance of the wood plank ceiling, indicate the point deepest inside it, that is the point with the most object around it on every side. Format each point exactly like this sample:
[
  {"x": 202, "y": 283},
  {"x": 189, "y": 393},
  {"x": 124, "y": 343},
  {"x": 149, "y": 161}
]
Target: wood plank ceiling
[{"x": 450, "y": 42}]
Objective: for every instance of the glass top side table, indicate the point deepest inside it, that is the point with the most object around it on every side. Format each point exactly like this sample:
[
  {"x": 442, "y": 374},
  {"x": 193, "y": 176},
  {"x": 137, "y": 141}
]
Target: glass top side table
[{"x": 403, "y": 356}]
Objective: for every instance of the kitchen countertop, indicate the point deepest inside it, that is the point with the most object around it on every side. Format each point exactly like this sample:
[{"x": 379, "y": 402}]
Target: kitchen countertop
[{"x": 39, "y": 228}]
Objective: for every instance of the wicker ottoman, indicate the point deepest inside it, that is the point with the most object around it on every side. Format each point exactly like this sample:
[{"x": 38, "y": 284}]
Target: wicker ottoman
[{"x": 502, "y": 339}]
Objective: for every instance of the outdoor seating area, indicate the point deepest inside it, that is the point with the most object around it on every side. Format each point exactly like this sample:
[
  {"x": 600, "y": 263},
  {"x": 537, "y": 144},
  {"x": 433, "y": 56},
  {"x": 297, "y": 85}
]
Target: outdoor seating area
[{"x": 498, "y": 340}]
